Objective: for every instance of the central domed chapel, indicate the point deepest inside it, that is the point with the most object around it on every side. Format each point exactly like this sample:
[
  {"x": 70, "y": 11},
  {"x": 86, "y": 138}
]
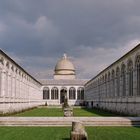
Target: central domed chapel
[{"x": 63, "y": 85}]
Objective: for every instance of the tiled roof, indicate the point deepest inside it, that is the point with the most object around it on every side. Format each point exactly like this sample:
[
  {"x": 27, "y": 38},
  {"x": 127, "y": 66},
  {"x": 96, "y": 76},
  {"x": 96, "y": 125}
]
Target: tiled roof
[{"x": 63, "y": 82}]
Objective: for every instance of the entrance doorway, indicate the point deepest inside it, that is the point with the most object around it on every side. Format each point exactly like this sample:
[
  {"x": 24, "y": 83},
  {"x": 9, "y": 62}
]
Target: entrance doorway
[{"x": 63, "y": 94}]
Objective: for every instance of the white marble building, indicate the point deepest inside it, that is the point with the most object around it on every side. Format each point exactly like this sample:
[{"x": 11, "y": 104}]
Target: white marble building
[
  {"x": 18, "y": 89},
  {"x": 63, "y": 84},
  {"x": 117, "y": 88}
]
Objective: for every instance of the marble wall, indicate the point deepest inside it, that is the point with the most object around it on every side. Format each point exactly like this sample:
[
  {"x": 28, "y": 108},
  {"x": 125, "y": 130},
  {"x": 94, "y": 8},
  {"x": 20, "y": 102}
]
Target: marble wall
[
  {"x": 117, "y": 88},
  {"x": 18, "y": 89}
]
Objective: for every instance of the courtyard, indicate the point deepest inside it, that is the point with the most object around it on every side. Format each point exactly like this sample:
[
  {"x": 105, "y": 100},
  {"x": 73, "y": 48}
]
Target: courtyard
[
  {"x": 63, "y": 133},
  {"x": 42, "y": 115},
  {"x": 58, "y": 112}
]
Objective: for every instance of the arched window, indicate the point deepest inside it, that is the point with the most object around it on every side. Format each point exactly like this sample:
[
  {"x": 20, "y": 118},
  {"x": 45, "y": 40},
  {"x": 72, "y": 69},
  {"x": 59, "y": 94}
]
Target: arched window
[
  {"x": 54, "y": 93},
  {"x": 105, "y": 85},
  {"x": 46, "y": 93},
  {"x": 2, "y": 60},
  {"x": 138, "y": 74},
  {"x": 113, "y": 83},
  {"x": 118, "y": 82},
  {"x": 80, "y": 93},
  {"x": 123, "y": 76},
  {"x": 72, "y": 93},
  {"x": 109, "y": 86},
  {"x": 130, "y": 78},
  {"x": 7, "y": 65}
]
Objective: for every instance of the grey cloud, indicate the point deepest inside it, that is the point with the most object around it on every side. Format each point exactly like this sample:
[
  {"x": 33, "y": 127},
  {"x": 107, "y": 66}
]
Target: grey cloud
[{"x": 44, "y": 30}]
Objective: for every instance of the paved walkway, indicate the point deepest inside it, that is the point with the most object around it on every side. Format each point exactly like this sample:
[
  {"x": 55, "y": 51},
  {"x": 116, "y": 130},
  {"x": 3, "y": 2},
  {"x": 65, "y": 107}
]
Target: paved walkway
[{"x": 67, "y": 121}]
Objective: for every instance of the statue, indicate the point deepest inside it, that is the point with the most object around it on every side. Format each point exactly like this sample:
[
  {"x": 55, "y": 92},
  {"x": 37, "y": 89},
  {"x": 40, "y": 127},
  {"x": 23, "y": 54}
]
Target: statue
[
  {"x": 65, "y": 104},
  {"x": 68, "y": 111}
]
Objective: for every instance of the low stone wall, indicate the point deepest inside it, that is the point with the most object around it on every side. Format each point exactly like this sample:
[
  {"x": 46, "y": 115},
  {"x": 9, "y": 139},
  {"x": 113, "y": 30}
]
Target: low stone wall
[
  {"x": 67, "y": 121},
  {"x": 9, "y": 108},
  {"x": 122, "y": 107}
]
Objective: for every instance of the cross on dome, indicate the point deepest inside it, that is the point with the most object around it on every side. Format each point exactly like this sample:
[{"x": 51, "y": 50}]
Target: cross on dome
[{"x": 65, "y": 56}]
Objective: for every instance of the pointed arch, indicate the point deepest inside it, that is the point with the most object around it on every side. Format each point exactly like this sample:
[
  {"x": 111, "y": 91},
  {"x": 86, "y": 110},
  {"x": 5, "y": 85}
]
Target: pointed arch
[
  {"x": 105, "y": 85},
  {"x": 130, "y": 77},
  {"x": 137, "y": 65},
  {"x": 118, "y": 81},
  {"x": 113, "y": 83},
  {"x": 109, "y": 86},
  {"x": 123, "y": 76}
]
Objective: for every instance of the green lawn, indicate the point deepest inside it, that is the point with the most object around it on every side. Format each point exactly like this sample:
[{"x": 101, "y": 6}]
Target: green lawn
[
  {"x": 42, "y": 112},
  {"x": 52, "y": 112},
  {"x": 63, "y": 133},
  {"x": 91, "y": 112}
]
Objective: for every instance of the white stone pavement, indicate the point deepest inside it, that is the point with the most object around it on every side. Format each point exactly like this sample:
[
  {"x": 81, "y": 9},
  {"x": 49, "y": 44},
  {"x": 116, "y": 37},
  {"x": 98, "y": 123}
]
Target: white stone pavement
[{"x": 67, "y": 121}]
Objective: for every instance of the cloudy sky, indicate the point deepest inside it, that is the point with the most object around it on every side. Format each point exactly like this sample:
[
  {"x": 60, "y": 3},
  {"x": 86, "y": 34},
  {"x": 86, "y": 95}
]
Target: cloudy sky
[{"x": 94, "y": 33}]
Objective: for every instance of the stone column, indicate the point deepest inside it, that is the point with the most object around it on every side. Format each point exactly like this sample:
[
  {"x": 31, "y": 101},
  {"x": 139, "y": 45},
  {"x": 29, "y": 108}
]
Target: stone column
[
  {"x": 15, "y": 83},
  {"x": 6, "y": 84},
  {"x": 50, "y": 93},
  {"x": 17, "y": 87},
  {"x": 13, "y": 90},
  {"x": 76, "y": 97},
  {"x": 9, "y": 89},
  {"x": 59, "y": 91},
  {"x": 21, "y": 95},
  {"x": 68, "y": 92},
  {"x": 29, "y": 93},
  {"x": 3, "y": 91},
  {"x": 9, "y": 84}
]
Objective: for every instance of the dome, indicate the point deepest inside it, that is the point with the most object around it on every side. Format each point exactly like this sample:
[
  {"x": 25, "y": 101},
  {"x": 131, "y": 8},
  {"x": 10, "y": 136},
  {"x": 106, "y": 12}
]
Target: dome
[
  {"x": 64, "y": 64},
  {"x": 64, "y": 68}
]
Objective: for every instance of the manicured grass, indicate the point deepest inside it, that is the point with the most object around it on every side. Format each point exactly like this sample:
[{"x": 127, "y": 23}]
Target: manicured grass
[
  {"x": 42, "y": 112},
  {"x": 57, "y": 112},
  {"x": 63, "y": 133},
  {"x": 91, "y": 112}
]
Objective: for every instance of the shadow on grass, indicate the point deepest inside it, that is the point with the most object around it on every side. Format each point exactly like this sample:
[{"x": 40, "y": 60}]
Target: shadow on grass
[
  {"x": 100, "y": 112},
  {"x": 65, "y": 138},
  {"x": 107, "y": 113}
]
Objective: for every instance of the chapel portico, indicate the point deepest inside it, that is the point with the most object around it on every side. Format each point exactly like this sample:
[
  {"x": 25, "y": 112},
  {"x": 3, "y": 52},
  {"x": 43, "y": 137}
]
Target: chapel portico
[
  {"x": 63, "y": 85},
  {"x": 54, "y": 91}
]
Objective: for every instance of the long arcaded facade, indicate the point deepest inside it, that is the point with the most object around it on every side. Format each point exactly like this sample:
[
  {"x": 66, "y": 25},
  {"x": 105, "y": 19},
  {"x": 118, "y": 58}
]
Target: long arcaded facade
[
  {"x": 18, "y": 89},
  {"x": 117, "y": 88}
]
